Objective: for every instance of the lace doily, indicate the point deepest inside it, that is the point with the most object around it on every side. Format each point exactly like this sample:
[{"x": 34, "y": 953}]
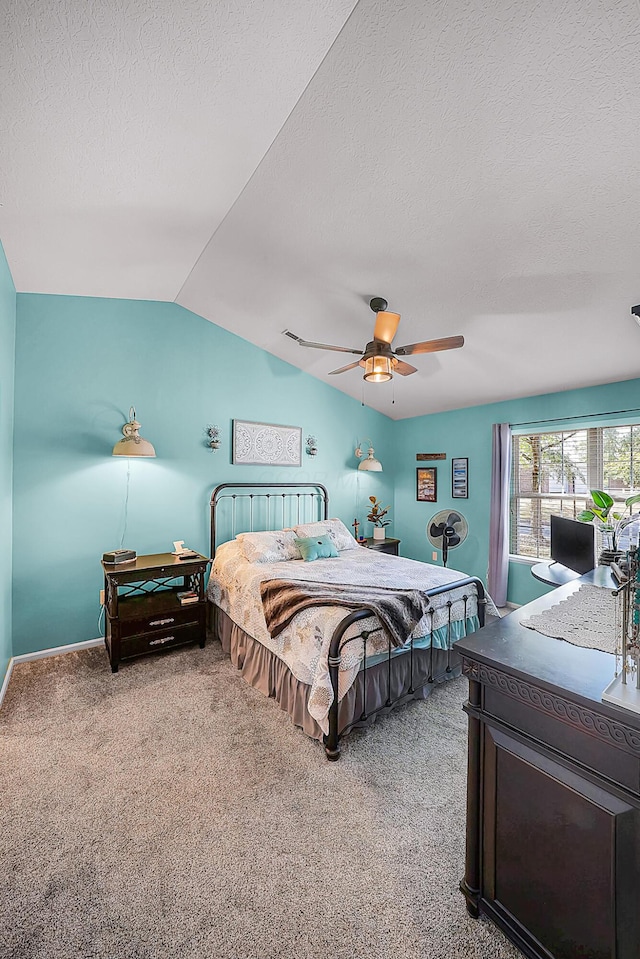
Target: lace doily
[{"x": 585, "y": 618}]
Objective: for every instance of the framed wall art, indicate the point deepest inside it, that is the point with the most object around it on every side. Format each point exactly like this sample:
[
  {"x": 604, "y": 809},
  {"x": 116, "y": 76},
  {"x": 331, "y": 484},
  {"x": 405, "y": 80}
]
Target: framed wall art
[
  {"x": 266, "y": 444},
  {"x": 427, "y": 484},
  {"x": 460, "y": 477}
]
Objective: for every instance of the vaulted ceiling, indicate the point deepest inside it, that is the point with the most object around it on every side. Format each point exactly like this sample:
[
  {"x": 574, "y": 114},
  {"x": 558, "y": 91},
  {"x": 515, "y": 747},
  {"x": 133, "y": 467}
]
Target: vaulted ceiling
[{"x": 273, "y": 165}]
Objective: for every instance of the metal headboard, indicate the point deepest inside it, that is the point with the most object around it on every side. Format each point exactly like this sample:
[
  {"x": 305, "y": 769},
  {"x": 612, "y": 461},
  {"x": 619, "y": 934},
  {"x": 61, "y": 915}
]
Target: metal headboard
[{"x": 250, "y": 507}]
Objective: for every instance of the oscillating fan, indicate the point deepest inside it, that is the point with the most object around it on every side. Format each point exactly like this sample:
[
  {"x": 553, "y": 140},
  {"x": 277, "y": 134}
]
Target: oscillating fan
[{"x": 446, "y": 530}]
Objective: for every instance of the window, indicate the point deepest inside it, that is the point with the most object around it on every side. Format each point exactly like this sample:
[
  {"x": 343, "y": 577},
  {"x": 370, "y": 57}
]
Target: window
[{"x": 553, "y": 473}]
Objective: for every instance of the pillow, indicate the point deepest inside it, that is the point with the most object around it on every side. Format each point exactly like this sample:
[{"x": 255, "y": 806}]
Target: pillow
[
  {"x": 316, "y": 547},
  {"x": 270, "y": 546},
  {"x": 335, "y": 528}
]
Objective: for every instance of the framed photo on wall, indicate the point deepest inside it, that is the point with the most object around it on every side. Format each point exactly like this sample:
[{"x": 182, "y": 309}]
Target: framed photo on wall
[
  {"x": 427, "y": 484},
  {"x": 460, "y": 477}
]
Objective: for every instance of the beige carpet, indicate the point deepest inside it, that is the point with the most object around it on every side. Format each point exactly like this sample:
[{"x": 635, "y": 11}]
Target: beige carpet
[{"x": 172, "y": 811}]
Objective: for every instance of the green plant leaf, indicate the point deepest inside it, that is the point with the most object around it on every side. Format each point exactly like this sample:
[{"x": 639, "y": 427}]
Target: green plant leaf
[
  {"x": 601, "y": 499},
  {"x": 632, "y": 499},
  {"x": 586, "y": 516}
]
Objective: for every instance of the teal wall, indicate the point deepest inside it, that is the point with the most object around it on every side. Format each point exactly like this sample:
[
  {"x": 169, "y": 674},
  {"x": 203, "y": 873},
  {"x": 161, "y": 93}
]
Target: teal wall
[
  {"x": 80, "y": 364},
  {"x": 467, "y": 432},
  {"x": 7, "y": 354}
]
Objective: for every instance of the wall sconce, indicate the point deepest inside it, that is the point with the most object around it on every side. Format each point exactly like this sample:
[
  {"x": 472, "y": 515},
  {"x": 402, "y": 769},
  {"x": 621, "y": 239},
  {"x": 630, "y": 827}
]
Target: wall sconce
[
  {"x": 312, "y": 446},
  {"x": 133, "y": 444},
  {"x": 213, "y": 432},
  {"x": 370, "y": 463}
]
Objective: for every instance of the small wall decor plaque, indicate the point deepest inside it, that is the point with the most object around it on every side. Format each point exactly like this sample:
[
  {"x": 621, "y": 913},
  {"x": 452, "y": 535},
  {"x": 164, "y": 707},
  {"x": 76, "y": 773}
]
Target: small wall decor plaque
[
  {"x": 266, "y": 444},
  {"x": 460, "y": 477},
  {"x": 427, "y": 484},
  {"x": 431, "y": 456}
]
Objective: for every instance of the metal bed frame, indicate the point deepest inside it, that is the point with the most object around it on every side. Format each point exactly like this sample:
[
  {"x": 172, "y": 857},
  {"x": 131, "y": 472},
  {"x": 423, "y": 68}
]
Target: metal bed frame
[{"x": 315, "y": 496}]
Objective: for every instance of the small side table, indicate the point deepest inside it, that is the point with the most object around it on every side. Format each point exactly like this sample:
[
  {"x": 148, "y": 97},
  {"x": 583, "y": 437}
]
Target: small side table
[
  {"x": 388, "y": 545},
  {"x": 143, "y": 610}
]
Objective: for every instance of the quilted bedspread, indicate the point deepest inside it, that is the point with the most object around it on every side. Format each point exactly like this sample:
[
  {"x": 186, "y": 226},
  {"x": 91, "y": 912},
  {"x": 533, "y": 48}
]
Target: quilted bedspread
[{"x": 234, "y": 586}]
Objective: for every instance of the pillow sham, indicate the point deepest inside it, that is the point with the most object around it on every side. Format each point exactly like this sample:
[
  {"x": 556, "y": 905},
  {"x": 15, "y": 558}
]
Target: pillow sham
[
  {"x": 335, "y": 528},
  {"x": 269, "y": 546},
  {"x": 316, "y": 547}
]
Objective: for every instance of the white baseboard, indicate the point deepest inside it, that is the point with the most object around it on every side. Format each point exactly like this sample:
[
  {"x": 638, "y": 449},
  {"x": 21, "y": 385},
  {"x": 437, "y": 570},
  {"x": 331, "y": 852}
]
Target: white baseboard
[
  {"x": 7, "y": 677},
  {"x": 44, "y": 654}
]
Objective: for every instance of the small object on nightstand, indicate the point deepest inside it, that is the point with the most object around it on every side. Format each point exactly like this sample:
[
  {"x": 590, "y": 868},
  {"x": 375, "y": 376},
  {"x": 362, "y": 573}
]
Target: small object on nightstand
[
  {"x": 189, "y": 554},
  {"x": 187, "y": 597},
  {"x": 115, "y": 556}
]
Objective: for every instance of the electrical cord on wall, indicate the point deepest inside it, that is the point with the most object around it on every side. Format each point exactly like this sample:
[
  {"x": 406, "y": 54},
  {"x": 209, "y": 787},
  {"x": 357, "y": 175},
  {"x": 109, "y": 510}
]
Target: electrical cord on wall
[{"x": 126, "y": 503}]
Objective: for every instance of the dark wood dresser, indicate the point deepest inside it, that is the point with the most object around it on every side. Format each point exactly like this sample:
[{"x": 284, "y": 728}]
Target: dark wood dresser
[
  {"x": 553, "y": 794},
  {"x": 143, "y": 610}
]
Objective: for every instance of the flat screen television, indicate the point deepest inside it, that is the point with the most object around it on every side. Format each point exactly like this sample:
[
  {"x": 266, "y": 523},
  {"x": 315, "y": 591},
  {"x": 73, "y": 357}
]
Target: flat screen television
[{"x": 573, "y": 544}]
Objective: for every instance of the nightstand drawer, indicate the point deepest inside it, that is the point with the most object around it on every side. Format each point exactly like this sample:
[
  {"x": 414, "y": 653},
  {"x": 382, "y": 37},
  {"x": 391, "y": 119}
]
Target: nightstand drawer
[
  {"x": 166, "y": 619},
  {"x": 163, "y": 639}
]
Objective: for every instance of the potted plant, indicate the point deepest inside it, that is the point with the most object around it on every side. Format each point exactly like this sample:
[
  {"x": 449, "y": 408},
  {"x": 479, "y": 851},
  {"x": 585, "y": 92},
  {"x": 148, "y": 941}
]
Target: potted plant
[
  {"x": 608, "y": 522},
  {"x": 376, "y": 516}
]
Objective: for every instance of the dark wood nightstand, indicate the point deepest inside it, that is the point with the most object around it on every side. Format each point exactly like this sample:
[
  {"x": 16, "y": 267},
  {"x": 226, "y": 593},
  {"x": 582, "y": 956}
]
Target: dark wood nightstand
[
  {"x": 388, "y": 545},
  {"x": 143, "y": 611}
]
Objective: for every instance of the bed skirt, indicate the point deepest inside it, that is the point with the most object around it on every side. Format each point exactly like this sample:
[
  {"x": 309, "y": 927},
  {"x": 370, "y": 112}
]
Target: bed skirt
[{"x": 264, "y": 671}]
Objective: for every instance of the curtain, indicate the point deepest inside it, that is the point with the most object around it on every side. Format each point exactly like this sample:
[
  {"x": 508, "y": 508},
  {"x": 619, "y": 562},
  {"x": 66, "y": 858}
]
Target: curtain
[{"x": 498, "y": 572}]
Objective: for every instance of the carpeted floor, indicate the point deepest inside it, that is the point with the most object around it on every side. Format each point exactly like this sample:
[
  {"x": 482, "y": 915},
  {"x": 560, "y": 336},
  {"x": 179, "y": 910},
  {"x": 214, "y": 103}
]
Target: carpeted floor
[{"x": 172, "y": 811}]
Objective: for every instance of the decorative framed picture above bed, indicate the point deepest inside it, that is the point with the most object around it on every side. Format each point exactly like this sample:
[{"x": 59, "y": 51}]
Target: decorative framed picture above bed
[
  {"x": 427, "y": 484},
  {"x": 266, "y": 444},
  {"x": 460, "y": 477}
]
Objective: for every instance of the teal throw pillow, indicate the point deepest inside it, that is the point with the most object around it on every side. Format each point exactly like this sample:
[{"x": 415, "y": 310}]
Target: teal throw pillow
[{"x": 316, "y": 547}]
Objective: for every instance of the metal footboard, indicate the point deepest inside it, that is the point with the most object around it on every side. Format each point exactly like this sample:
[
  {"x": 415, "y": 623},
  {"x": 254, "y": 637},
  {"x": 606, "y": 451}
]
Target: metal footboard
[{"x": 338, "y": 643}]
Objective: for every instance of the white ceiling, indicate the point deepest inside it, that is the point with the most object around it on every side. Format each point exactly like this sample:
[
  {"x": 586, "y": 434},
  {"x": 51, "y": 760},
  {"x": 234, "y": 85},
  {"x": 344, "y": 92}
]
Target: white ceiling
[{"x": 274, "y": 165}]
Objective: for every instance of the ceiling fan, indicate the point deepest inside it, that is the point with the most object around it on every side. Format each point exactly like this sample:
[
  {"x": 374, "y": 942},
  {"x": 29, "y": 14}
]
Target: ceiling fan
[{"x": 377, "y": 359}]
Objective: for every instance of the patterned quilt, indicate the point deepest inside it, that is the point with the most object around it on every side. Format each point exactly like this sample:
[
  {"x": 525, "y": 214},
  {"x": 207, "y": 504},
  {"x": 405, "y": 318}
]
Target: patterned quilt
[{"x": 234, "y": 586}]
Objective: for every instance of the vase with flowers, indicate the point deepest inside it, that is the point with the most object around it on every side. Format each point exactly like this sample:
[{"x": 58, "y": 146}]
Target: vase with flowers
[{"x": 376, "y": 515}]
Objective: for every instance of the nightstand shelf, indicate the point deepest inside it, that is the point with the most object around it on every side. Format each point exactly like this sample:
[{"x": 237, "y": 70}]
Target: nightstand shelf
[
  {"x": 143, "y": 611},
  {"x": 388, "y": 545}
]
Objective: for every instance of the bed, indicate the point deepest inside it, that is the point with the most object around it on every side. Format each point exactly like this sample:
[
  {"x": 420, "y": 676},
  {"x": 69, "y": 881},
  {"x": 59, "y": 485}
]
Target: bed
[{"x": 336, "y": 642}]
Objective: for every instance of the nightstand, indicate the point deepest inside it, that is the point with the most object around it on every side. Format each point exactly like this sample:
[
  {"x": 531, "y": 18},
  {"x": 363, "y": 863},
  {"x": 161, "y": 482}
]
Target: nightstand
[
  {"x": 143, "y": 611},
  {"x": 389, "y": 545}
]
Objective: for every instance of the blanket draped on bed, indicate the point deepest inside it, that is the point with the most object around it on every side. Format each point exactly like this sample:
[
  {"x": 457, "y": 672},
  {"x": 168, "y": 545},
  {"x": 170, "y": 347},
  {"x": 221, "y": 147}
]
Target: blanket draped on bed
[{"x": 399, "y": 610}]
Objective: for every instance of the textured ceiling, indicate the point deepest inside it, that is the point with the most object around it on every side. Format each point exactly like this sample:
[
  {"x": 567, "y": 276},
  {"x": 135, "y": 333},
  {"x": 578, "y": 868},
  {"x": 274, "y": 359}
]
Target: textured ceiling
[{"x": 274, "y": 165}]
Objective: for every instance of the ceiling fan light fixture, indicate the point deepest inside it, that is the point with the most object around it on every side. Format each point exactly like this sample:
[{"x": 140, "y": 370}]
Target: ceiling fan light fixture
[{"x": 377, "y": 369}]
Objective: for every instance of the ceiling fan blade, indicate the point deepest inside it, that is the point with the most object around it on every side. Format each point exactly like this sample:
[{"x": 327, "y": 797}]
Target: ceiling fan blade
[
  {"x": 386, "y": 326},
  {"x": 404, "y": 369},
  {"x": 432, "y": 346},
  {"x": 343, "y": 369},
  {"x": 320, "y": 346}
]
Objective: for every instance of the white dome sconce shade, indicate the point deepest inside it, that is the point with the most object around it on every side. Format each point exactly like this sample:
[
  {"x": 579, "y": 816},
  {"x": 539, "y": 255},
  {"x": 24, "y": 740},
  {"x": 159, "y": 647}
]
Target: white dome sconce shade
[
  {"x": 133, "y": 444},
  {"x": 370, "y": 463}
]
